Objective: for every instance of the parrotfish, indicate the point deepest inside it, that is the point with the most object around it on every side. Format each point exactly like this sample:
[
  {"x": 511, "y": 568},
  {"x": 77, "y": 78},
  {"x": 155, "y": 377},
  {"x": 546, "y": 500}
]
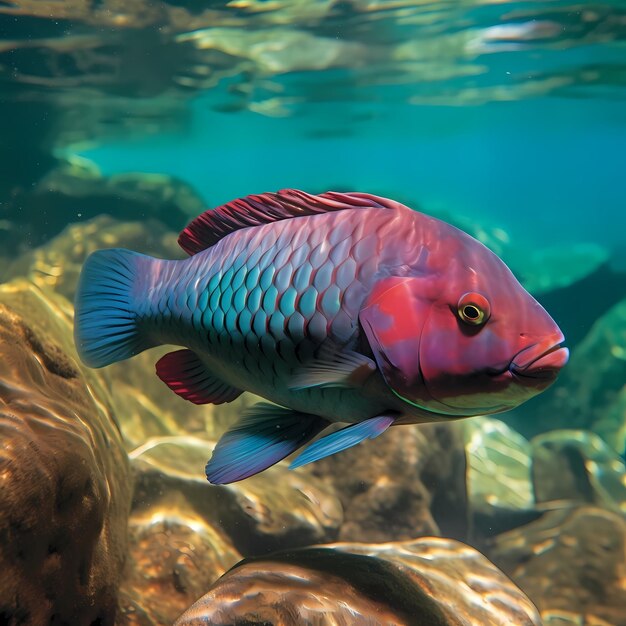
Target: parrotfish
[{"x": 339, "y": 307}]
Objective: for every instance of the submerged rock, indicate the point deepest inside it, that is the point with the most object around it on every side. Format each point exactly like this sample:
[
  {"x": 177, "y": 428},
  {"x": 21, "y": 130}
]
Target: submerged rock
[
  {"x": 409, "y": 481},
  {"x": 185, "y": 533},
  {"x": 578, "y": 466},
  {"x": 499, "y": 485},
  {"x": 546, "y": 269},
  {"x": 276, "y": 509},
  {"x": 76, "y": 192},
  {"x": 569, "y": 618},
  {"x": 57, "y": 264},
  {"x": 590, "y": 393},
  {"x": 499, "y": 463},
  {"x": 159, "y": 196},
  {"x": 175, "y": 554},
  {"x": 144, "y": 405},
  {"x": 147, "y": 408},
  {"x": 571, "y": 561},
  {"x": 424, "y": 581},
  {"x": 66, "y": 485}
]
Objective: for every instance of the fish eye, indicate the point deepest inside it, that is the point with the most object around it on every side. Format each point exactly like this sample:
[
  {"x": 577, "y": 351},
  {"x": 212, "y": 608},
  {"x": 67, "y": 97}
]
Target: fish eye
[{"x": 473, "y": 308}]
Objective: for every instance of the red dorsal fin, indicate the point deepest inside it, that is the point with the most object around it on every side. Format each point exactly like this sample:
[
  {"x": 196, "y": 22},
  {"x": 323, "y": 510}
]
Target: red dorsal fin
[{"x": 212, "y": 225}]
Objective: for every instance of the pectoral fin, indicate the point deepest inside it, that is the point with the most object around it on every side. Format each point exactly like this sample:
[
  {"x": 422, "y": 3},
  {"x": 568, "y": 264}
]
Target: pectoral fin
[
  {"x": 334, "y": 366},
  {"x": 343, "y": 439}
]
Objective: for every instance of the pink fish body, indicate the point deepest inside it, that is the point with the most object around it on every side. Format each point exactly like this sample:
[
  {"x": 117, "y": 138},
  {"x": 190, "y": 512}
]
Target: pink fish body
[{"x": 338, "y": 307}]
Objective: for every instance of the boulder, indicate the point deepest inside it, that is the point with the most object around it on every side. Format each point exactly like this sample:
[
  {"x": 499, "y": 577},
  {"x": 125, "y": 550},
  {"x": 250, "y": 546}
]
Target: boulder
[
  {"x": 145, "y": 407},
  {"x": 66, "y": 484},
  {"x": 174, "y": 555},
  {"x": 75, "y": 192},
  {"x": 578, "y": 466},
  {"x": 277, "y": 509},
  {"x": 425, "y": 581},
  {"x": 56, "y": 264},
  {"x": 590, "y": 392},
  {"x": 499, "y": 486},
  {"x": 185, "y": 533},
  {"x": 570, "y": 561},
  {"x": 410, "y": 481}
]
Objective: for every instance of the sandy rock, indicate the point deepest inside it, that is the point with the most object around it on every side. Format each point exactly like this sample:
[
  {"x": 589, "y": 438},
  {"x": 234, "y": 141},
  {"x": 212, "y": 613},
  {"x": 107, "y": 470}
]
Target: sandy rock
[
  {"x": 276, "y": 509},
  {"x": 570, "y": 561},
  {"x": 409, "y": 481},
  {"x": 425, "y": 581},
  {"x": 66, "y": 485}
]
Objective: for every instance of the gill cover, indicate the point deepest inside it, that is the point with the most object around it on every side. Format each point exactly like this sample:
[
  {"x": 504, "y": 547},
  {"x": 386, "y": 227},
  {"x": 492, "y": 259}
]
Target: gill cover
[{"x": 392, "y": 319}]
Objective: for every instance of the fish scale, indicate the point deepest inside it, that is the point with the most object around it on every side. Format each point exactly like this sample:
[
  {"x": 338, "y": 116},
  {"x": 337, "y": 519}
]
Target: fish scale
[
  {"x": 340, "y": 307},
  {"x": 284, "y": 283}
]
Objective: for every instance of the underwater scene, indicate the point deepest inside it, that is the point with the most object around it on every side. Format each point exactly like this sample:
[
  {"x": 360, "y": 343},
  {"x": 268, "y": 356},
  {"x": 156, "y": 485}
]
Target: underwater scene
[{"x": 312, "y": 312}]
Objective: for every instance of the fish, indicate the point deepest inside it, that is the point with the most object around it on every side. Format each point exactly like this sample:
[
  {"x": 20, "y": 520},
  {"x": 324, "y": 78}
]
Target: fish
[{"x": 342, "y": 308}]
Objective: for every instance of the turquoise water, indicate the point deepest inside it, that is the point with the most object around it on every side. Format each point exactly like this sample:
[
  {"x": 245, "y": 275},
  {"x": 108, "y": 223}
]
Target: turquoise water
[
  {"x": 553, "y": 162},
  {"x": 122, "y": 121}
]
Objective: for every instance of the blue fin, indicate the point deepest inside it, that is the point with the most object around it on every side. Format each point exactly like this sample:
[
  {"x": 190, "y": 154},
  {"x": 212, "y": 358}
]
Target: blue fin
[
  {"x": 265, "y": 435},
  {"x": 344, "y": 438},
  {"x": 333, "y": 366},
  {"x": 105, "y": 326},
  {"x": 186, "y": 375}
]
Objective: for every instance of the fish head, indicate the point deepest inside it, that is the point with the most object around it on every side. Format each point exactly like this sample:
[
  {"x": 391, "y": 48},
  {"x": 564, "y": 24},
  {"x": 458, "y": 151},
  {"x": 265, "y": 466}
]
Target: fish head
[
  {"x": 487, "y": 345},
  {"x": 465, "y": 338}
]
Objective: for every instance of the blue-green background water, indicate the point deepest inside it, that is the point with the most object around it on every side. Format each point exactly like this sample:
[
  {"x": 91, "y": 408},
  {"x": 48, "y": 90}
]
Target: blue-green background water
[
  {"x": 548, "y": 170},
  {"x": 505, "y": 118}
]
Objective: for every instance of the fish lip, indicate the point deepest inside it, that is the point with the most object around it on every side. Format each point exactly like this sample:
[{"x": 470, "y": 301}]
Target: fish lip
[{"x": 541, "y": 360}]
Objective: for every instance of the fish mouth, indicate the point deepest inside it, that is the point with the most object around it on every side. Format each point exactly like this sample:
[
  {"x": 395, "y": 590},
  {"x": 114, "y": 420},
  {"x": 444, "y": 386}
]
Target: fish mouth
[{"x": 542, "y": 360}]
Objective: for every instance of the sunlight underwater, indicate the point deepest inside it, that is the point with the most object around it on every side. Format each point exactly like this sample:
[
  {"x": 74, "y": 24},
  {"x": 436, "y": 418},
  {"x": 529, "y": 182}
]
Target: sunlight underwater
[{"x": 298, "y": 325}]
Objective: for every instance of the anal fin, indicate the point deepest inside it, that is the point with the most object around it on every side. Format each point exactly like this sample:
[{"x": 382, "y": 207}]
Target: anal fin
[
  {"x": 343, "y": 439},
  {"x": 186, "y": 375},
  {"x": 265, "y": 435}
]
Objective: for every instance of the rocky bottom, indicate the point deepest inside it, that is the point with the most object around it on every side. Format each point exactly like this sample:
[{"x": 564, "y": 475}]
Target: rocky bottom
[
  {"x": 426, "y": 581},
  {"x": 106, "y": 517}
]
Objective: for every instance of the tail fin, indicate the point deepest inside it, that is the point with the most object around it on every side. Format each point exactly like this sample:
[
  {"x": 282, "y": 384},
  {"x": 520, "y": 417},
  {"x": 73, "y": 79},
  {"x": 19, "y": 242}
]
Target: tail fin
[{"x": 105, "y": 321}]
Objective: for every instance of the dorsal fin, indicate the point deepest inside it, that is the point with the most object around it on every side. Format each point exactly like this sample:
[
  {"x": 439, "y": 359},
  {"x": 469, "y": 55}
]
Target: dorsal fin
[{"x": 209, "y": 227}]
